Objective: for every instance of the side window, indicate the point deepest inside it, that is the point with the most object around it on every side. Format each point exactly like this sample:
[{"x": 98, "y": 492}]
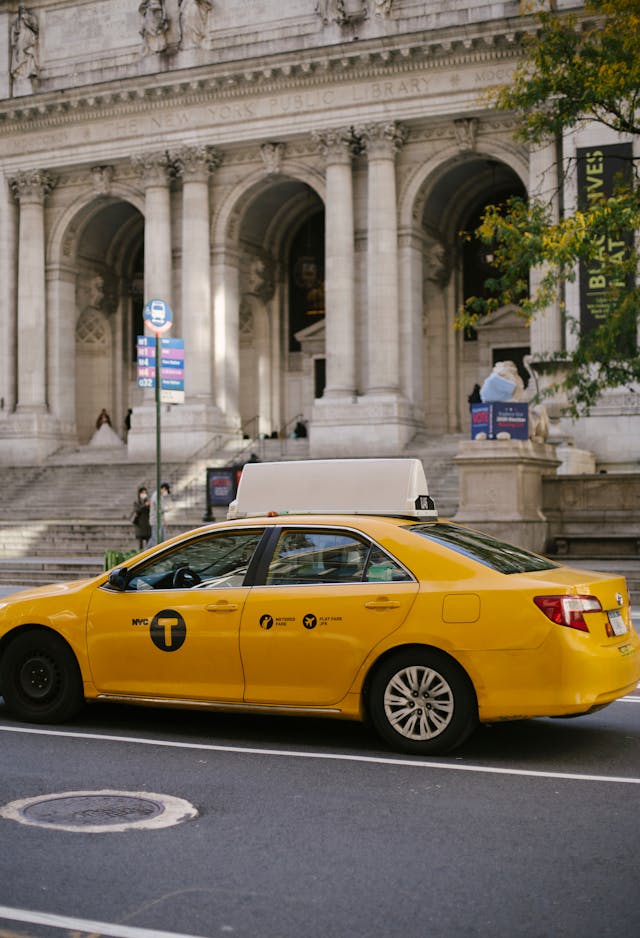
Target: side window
[
  {"x": 381, "y": 568},
  {"x": 211, "y": 562},
  {"x": 307, "y": 556}
]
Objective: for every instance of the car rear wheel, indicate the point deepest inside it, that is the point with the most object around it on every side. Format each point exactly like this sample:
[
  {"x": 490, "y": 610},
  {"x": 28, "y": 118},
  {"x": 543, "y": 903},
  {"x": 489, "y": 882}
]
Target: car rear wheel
[
  {"x": 422, "y": 702},
  {"x": 40, "y": 678}
]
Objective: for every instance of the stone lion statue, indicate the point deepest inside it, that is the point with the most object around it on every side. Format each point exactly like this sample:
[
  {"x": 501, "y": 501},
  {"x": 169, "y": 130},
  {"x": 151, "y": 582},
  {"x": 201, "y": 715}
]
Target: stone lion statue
[{"x": 505, "y": 384}]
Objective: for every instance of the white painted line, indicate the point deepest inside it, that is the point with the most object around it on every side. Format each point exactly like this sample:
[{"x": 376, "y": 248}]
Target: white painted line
[
  {"x": 86, "y": 925},
  {"x": 327, "y": 756}
]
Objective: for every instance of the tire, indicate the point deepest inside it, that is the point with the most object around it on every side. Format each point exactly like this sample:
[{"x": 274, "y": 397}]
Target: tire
[
  {"x": 40, "y": 678},
  {"x": 449, "y": 711}
]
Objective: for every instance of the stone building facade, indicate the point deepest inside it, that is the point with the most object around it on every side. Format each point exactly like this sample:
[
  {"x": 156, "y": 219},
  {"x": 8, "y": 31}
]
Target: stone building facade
[{"x": 292, "y": 179}]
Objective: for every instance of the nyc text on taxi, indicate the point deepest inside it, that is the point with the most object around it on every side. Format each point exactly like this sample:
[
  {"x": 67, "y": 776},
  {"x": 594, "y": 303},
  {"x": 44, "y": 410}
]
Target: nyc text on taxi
[{"x": 358, "y": 604}]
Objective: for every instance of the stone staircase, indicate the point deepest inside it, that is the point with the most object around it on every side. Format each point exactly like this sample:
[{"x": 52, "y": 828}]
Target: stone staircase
[{"x": 58, "y": 520}]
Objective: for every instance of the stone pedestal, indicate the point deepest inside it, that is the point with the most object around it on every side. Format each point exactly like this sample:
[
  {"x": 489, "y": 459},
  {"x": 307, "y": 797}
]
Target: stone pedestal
[
  {"x": 29, "y": 436},
  {"x": 501, "y": 488},
  {"x": 185, "y": 430},
  {"x": 375, "y": 425}
]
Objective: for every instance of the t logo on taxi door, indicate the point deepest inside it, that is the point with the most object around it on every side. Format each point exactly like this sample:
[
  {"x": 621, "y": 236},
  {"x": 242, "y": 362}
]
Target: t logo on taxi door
[{"x": 168, "y": 630}]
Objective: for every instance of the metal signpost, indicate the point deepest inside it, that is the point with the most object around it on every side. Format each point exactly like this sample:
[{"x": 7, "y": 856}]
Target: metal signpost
[{"x": 158, "y": 318}]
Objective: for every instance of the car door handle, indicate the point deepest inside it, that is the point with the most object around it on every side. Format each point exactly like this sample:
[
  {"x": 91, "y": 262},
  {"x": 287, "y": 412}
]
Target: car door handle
[
  {"x": 222, "y": 607},
  {"x": 382, "y": 604}
]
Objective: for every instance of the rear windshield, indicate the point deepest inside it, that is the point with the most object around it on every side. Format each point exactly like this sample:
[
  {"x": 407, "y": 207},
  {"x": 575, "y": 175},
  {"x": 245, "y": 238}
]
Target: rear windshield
[{"x": 504, "y": 558}]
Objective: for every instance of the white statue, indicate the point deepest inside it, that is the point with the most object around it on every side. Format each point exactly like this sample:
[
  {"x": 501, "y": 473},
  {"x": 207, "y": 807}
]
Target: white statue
[
  {"x": 503, "y": 384},
  {"x": 154, "y": 25},
  {"x": 194, "y": 15},
  {"x": 24, "y": 45}
]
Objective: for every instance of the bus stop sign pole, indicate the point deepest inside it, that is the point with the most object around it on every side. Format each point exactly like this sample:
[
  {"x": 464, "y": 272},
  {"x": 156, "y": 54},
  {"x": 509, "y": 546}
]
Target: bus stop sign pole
[{"x": 158, "y": 318}]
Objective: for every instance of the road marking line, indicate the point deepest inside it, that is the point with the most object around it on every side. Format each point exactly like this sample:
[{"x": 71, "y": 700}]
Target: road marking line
[
  {"x": 327, "y": 756},
  {"x": 86, "y": 925}
]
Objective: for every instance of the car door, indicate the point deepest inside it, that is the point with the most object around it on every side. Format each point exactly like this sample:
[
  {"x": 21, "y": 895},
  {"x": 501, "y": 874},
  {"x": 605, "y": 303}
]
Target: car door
[
  {"x": 328, "y": 598},
  {"x": 173, "y": 632}
]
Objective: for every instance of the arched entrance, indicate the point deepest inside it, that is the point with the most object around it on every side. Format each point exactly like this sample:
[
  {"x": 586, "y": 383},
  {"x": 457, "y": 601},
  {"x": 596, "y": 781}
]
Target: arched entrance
[
  {"x": 454, "y": 268},
  {"x": 281, "y": 244},
  {"x": 108, "y": 258}
]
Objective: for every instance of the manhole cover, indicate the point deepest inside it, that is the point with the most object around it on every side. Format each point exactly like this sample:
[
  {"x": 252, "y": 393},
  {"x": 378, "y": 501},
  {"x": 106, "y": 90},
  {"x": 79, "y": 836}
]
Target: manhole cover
[{"x": 100, "y": 811}]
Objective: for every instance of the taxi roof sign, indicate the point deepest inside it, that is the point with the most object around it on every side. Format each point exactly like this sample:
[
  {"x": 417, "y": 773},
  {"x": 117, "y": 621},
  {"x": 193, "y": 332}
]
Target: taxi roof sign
[{"x": 334, "y": 486}]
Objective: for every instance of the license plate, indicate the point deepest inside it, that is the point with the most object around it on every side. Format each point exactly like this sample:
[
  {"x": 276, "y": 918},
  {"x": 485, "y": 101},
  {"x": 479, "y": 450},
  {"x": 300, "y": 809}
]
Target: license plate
[{"x": 617, "y": 623}]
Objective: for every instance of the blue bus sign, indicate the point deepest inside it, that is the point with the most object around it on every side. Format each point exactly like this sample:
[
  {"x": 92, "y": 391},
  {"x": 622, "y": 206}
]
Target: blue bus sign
[{"x": 158, "y": 316}]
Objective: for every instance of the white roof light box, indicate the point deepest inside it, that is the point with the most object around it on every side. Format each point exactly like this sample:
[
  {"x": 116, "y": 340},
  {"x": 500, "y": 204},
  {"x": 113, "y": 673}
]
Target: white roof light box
[{"x": 334, "y": 486}]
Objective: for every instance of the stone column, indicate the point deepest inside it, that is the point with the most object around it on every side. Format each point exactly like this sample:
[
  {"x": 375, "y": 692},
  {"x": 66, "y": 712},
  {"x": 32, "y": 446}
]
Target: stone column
[
  {"x": 30, "y": 189},
  {"x": 226, "y": 332},
  {"x": 382, "y": 142},
  {"x": 340, "y": 341},
  {"x": 155, "y": 170},
  {"x": 546, "y": 327},
  {"x": 8, "y": 293},
  {"x": 61, "y": 341},
  {"x": 194, "y": 165}
]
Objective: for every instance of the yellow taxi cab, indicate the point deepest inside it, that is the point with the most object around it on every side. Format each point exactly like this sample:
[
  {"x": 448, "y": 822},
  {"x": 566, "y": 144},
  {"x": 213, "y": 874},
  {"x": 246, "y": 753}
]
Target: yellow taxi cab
[{"x": 332, "y": 590}]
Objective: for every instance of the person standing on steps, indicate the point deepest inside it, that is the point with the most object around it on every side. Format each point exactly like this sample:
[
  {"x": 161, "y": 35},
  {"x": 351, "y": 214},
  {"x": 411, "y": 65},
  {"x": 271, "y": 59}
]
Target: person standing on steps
[
  {"x": 140, "y": 517},
  {"x": 158, "y": 536}
]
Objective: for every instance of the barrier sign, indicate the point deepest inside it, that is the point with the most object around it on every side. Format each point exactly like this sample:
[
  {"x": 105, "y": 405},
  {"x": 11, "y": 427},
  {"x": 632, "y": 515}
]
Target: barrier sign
[{"x": 502, "y": 420}]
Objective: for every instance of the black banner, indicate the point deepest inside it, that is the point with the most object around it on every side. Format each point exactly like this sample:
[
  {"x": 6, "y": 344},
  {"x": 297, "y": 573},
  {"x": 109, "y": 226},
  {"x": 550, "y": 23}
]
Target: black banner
[{"x": 600, "y": 169}]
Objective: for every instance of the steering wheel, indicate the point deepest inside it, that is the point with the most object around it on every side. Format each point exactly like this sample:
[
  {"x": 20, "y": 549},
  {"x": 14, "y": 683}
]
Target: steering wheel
[{"x": 185, "y": 578}]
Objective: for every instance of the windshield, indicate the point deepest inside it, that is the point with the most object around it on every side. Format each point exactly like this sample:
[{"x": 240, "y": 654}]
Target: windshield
[{"x": 502, "y": 557}]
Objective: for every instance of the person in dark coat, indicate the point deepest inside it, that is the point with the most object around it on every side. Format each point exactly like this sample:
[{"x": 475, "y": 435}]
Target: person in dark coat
[{"x": 140, "y": 517}]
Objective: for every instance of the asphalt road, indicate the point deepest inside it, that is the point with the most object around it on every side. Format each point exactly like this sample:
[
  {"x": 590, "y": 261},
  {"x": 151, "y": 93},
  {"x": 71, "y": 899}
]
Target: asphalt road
[{"x": 311, "y": 829}]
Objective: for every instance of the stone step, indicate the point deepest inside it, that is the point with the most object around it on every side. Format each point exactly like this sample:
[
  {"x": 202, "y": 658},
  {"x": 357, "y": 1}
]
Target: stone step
[
  {"x": 37, "y": 571},
  {"x": 72, "y": 538}
]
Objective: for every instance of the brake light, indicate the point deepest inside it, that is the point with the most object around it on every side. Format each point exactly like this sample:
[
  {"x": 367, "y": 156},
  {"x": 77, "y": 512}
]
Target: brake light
[{"x": 568, "y": 610}]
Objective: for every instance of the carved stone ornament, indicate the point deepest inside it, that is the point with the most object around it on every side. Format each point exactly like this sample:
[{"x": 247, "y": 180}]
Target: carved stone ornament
[
  {"x": 25, "y": 34},
  {"x": 155, "y": 168},
  {"x": 32, "y": 185},
  {"x": 382, "y": 140},
  {"x": 436, "y": 261},
  {"x": 382, "y": 7},
  {"x": 466, "y": 130},
  {"x": 258, "y": 276},
  {"x": 194, "y": 22},
  {"x": 92, "y": 329},
  {"x": 196, "y": 163},
  {"x": 102, "y": 177},
  {"x": 272, "y": 155},
  {"x": 342, "y": 12},
  {"x": 155, "y": 25},
  {"x": 336, "y": 145}
]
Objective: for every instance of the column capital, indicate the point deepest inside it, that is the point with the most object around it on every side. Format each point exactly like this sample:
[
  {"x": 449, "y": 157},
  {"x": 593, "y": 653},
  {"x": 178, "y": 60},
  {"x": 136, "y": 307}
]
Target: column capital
[
  {"x": 336, "y": 145},
  {"x": 32, "y": 185},
  {"x": 195, "y": 164},
  {"x": 382, "y": 141},
  {"x": 155, "y": 168}
]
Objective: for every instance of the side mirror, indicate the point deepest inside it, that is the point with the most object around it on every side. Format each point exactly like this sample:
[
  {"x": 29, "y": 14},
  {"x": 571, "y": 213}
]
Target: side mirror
[{"x": 119, "y": 578}]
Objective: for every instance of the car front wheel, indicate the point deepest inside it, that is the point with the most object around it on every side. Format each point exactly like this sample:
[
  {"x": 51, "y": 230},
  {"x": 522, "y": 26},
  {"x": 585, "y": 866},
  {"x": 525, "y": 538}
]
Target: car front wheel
[
  {"x": 422, "y": 702},
  {"x": 40, "y": 678}
]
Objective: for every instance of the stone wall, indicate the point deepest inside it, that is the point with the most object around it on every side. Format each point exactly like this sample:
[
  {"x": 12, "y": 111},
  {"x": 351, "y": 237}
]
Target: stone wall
[{"x": 597, "y": 515}]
